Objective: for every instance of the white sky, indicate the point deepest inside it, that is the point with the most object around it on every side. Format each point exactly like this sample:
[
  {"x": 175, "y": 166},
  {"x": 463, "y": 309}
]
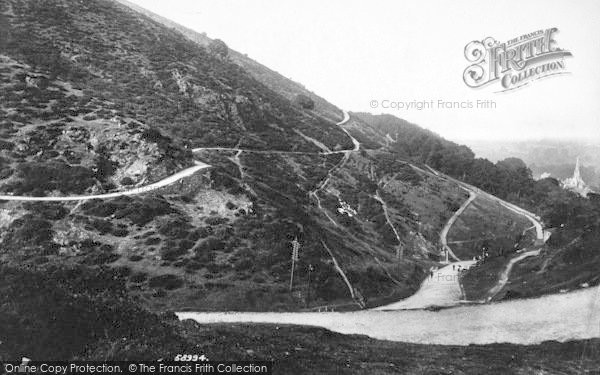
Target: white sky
[{"x": 351, "y": 52}]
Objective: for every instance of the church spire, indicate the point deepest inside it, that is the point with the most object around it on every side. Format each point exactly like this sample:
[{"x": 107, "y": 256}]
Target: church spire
[{"x": 577, "y": 174}]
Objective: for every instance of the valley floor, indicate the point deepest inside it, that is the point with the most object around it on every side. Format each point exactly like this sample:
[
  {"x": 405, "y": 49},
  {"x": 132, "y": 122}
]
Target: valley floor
[
  {"x": 560, "y": 317},
  {"x": 309, "y": 350},
  {"x": 441, "y": 289}
]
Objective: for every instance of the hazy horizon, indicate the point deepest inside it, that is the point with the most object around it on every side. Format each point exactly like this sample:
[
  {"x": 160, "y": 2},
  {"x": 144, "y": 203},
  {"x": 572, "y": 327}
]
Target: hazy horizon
[{"x": 351, "y": 53}]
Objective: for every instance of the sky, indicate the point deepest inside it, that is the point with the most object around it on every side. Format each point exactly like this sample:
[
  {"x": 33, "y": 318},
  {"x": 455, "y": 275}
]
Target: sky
[{"x": 363, "y": 55}]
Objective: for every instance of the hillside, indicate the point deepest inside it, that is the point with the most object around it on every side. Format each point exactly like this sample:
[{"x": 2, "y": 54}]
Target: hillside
[
  {"x": 205, "y": 168},
  {"x": 268, "y": 77},
  {"x": 82, "y": 308},
  {"x": 566, "y": 262},
  {"x": 100, "y": 99}
]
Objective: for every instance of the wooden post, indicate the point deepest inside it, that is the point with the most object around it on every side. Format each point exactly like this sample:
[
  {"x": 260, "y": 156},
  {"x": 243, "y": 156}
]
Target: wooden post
[
  {"x": 295, "y": 247},
  {"x": 310, "y": 269}
]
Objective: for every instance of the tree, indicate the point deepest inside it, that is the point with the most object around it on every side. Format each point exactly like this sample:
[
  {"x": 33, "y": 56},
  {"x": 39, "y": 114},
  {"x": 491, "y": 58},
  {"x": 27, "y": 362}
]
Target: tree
[
  {"x": 218, "y": 48},
  {"x": 304, "y": 101}
]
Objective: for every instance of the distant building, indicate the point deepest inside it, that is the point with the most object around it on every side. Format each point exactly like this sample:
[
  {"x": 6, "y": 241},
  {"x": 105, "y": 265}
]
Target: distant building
[{"x": 576, "y": 183}]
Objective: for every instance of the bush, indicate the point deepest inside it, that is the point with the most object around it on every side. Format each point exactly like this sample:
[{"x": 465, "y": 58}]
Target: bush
[
  {"x": 121, "y": 231},
  {"x": 68, "y": 313},
  {"x": 304, "y": 101},
  {"x": 139, "y": 211},
  {"x": 4, "y": 145},
  {"x": 210, "y": 244},
  {"x": 172, "y": 251},
  {"x": 168, "y": 282},
  {"x": 153, "y": 241},
  {"x": 52, "y": 175},
  {"x": 216, "y": 220},
  {"x": 138, "y": 277},
  {"x": 177, "y": 228},
  {"x": 127, "y": 181},
  {"x": 102, "y": 226},
  {"x": 100, "y": 258},
  {"x": 218, "y": 48},
  {"x": 47, "y": 210},
  {"x": 202, "y": 232},
  {"x": 29, "y": 232}
]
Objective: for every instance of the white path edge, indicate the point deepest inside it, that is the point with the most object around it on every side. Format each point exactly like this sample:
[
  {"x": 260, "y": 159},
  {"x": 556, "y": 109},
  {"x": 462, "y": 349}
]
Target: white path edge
[
  {"x": 446, "y": 229},
  {"x": 135, "y": 191}
]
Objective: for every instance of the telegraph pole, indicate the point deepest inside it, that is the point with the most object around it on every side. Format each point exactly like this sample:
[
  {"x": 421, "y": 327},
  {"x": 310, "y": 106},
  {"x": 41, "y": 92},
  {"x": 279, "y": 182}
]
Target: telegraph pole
[{"x": 295, "y": 258}]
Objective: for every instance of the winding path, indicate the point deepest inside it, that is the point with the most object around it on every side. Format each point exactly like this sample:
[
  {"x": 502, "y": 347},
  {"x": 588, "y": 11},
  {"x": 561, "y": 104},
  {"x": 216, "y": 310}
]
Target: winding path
[
  {"x": 444, "y": 232},
  {"x": 346, "y": 118},
  {"x": 188, "y": 172},
  {"x": 535, "y": 220},
  {"x": 506, "y": 273},
  {"x": 541, "y": 235},
  {"x": 314, "y": 193},
  {"x": 442, "y": 288},
  {"x": 384, "y": 206},
  {"x": 135, "y": 191}
]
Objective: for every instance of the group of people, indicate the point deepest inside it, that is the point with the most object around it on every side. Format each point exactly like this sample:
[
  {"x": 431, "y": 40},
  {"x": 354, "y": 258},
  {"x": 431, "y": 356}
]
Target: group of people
[
  {"x": 482, "y": 256},
  {"x": 460, "y": 268}
]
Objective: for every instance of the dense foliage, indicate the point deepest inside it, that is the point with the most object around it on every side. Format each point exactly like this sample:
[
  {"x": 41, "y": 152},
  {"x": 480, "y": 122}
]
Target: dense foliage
[
  {"x": 508, "y": 179},
  {"x": 63, "y": 313}
]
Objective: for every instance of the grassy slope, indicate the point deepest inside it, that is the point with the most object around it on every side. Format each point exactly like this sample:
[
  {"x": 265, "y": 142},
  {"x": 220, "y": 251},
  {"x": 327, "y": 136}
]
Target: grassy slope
[
  {"x": 569, "y": 259},
  {"x": 221, "y": 239},
  {"x": 306, "y": 350},
  {"x": 476, "y": 230},
  {"x": 70, "y": 313},
  {"x": 566, "y": 268},
  {"x": 273, "y": 80}
]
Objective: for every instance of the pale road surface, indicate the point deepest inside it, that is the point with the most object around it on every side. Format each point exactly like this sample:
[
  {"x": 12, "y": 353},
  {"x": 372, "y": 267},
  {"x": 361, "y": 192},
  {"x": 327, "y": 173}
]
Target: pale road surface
[
  {"x": 541, "y": 235},
  {"x": 143, "y": 189},
  {"x": 325, "y": 181},
  {"x": 535, "y": 220},
  {"x": 504, "y": 276},
  {"x": 444, "y": 233},
  {"x": 440, "y": 289},
  {"x": 342, "y": 122},
  {"x": 560, "y": 317},
  {"x": 387, "y": 217}
]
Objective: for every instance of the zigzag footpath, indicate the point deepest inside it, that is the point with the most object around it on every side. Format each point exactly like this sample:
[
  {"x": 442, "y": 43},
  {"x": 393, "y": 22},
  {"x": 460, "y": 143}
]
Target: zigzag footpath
[
  {"x": 444, "y": 233},
  {"x": 442, "y": 288},
  {"x": 541, "y": 235}
]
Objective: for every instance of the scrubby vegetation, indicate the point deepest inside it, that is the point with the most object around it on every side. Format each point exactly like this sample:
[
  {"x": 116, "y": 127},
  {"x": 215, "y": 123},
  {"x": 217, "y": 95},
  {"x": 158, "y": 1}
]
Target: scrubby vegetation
[
  {"x": 116, "y": 100},
  {"x": 304, "y": 101},
  {"x": 79, "y": 313},
  {"x": 569, "y": 259},
  {"x": 63, "y": 313},
  {"x": 508, "y": 179}
]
